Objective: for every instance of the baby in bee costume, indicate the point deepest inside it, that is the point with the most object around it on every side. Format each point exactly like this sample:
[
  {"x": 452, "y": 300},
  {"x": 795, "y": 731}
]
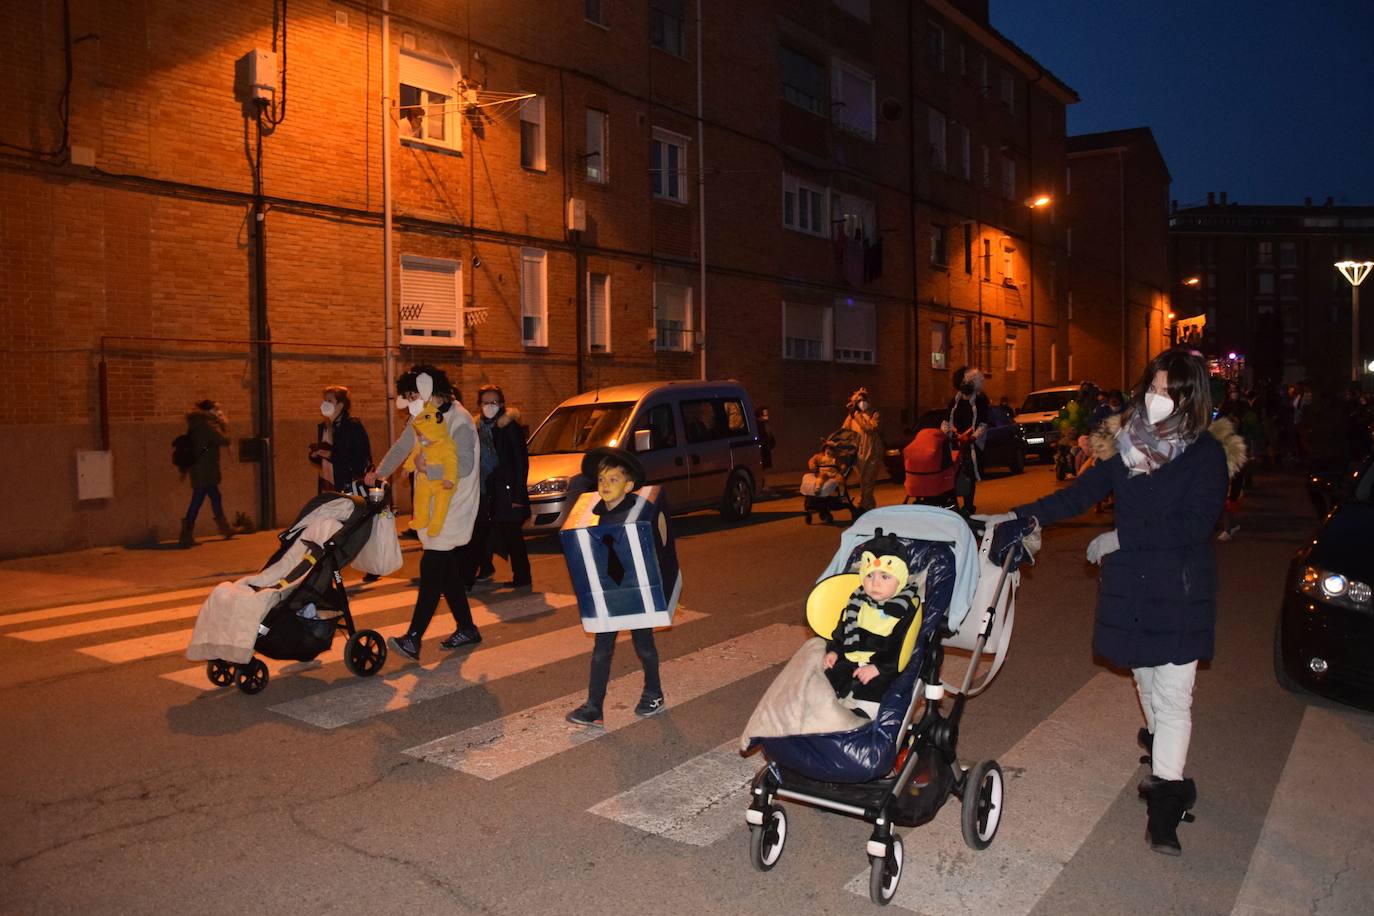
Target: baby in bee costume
[{"x": 863, "y": 652}]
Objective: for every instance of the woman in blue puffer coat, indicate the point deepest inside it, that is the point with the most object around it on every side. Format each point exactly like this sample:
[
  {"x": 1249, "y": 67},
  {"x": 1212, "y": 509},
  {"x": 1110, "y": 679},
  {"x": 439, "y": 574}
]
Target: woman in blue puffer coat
[{"x": 1168, "y": 467}]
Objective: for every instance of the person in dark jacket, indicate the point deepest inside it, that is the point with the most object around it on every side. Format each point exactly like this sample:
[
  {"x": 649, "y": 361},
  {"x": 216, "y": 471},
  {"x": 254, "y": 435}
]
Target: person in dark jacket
[
  {"x": 968, "y": 423},
  {"x": 505, "y": 496},
  {"x": 1156, "y": 608},
  {"x": 341, "y": 448},
  {"x": 209, "y": 432}
]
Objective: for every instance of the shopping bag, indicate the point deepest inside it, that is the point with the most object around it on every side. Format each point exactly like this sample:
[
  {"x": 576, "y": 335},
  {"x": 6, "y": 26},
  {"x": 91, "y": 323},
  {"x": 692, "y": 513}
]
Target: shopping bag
[{"x": 381, "y": 555}]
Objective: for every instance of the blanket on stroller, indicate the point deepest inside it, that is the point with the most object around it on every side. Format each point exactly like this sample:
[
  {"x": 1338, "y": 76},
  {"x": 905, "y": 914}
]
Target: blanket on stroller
[
  {"x": 227, "y": 625},
  {"x": 800, "y": 701}
]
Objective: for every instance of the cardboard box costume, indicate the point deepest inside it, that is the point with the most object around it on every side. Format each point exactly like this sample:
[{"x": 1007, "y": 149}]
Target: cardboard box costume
[{"x": 624, "y": 570}]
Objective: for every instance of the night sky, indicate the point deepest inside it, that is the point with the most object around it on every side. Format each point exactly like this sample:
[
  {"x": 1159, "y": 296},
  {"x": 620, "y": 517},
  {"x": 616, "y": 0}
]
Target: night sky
[{"x": 1270, "y": 100}]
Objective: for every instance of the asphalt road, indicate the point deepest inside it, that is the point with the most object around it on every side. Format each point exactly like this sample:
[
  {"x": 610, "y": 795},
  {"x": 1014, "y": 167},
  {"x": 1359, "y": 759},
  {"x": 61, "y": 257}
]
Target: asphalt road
[{"x": 129, "y": 785}]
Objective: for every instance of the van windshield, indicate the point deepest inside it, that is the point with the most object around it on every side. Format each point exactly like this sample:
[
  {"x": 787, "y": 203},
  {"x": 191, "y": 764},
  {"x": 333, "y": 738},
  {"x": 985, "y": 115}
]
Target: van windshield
[
  {"x": 1041, "y": 401},
  {"x": 581, "y": 428}
]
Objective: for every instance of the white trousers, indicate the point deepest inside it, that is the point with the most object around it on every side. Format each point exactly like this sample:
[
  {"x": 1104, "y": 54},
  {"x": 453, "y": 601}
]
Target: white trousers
[{"x": 1166, "y": 698}]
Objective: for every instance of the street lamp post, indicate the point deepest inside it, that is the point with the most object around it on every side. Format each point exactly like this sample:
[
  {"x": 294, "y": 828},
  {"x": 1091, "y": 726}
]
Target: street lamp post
[{"x": 1354, "y": 273}]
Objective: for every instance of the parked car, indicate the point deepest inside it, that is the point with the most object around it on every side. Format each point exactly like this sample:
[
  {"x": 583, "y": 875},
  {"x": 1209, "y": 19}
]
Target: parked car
[
  {"x": 698, "y": 440},
  {"x": 1038, "y": 417},
  {"x": 1324, "y": 641},
  {"x": 1005, "y": 446}
]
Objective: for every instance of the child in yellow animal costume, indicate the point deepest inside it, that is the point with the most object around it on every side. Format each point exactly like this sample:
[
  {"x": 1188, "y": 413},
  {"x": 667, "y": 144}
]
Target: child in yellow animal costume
[
  {"x": 432, "y": 497},
  {"x": 864, "y": 649}
]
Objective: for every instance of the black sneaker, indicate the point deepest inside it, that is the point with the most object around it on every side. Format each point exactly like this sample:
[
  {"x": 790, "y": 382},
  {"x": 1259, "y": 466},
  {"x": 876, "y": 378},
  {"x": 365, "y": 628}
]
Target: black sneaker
[
  {"x": 588, "y": 716},
  {"x": 523, "y": 584},
  {"x": 485, "y": 574},
  {"x": 649, "y": 706},
  {"x": 407, "y": 645},
  {"x": 461, "y": 638}
]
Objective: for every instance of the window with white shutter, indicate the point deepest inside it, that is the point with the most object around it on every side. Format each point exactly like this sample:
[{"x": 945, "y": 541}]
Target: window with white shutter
[
  {"x": 805, "y": 331},
  {"x": 534, "y": 297},
  {"x": 804, "y": 206},
  {"x": 598, "y": 313},
  {"x": 672, "y": 317},
  {"x": 427, "y": 112},
  {"x": 431, "y": 297},
  {"x": 856, "y": 331}
]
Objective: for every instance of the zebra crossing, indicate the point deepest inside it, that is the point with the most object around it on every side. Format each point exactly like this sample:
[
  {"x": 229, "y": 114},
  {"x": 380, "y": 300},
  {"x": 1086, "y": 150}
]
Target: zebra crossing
[{"x": 1061, "y": 777}]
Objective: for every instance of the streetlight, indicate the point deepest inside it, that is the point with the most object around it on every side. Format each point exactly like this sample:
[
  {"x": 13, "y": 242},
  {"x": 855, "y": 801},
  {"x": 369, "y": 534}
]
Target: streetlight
[
  {"x": 1354, "y": 273},
  {"x": 1192, "y": 281}
]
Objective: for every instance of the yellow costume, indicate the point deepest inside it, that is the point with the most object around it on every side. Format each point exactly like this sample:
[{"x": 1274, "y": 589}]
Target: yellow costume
[{"x": 432, "y": 497}]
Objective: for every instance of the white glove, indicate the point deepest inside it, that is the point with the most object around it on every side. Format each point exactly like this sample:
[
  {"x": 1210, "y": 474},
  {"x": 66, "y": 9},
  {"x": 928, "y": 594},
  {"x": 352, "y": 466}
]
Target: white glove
[
  {"x": 992, "y": 521},
  {"x": 1103, "y": 544}
]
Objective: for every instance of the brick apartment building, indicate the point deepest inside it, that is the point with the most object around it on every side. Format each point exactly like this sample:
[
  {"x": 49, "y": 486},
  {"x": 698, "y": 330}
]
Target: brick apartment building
[
  {"x": 1268, "y": 289},
  {"x": 851, "y": 173},
  {"x": 1117, "y": 305}
]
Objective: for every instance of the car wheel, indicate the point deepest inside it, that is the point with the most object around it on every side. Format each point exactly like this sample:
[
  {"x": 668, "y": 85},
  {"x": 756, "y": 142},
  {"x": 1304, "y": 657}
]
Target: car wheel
[
  {"x": 738, "y": 500},
  {"x": 1281, "y": 674}
]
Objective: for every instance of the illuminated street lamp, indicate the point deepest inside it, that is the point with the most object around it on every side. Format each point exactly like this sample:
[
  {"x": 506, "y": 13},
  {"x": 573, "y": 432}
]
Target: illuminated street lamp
[
  {"x": 1354, "y": 273},
  {"x": 1040, "y": 200},
  {"x": 1192, "y": 281}
]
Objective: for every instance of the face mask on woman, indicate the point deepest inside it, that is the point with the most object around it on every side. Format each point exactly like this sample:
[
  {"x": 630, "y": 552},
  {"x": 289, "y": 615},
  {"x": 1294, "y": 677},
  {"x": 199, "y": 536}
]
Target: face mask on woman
[
  {"x": 491, "y": 410},
  {"x": 415, "y": 407},
  {"x": 327, "y": 408},
  {"x": 1157, "y": 407}
]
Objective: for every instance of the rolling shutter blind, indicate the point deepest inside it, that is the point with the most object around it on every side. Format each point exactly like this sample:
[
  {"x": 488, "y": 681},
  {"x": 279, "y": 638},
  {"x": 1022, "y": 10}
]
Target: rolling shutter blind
[{"x": 430, "y": 311}]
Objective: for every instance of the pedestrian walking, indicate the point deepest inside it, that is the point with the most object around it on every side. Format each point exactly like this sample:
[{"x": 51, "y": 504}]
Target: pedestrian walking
[
  {"x": 207, "y": 431},
  {"x": 968, "y": 422},
  {"x": 617, "y": 474},
  {"x": 766, "y": 440},
  {"x": 447, "y": 555},
  {"x": 341, "y": 448},
  {"x": 505, "y": 502},
  {"x": 862, "y": 419},
  {"x": 1156, "y": 607}
]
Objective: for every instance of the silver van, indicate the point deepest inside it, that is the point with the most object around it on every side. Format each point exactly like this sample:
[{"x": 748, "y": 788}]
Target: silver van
[{"x": 698, "y": 440}]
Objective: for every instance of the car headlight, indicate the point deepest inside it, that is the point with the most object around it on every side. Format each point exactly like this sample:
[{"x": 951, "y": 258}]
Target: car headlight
[
  {"x": 1333, "y": 588},
  {"x": 549, "y": 485}
]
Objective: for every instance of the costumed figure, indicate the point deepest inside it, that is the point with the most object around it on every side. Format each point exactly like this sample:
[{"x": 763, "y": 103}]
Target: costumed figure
[
  {"x": 866, "y": 422},
  {"x": 432, "y": 497},
  {"x": 968, "y": 424}
]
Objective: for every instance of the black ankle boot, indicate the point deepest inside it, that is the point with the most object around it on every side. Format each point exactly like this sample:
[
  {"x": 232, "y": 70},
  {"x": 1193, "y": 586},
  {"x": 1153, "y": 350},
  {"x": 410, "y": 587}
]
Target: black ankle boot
[
  {"x": 1168, "y": 801},
  {"x": 1147, "y": 741}
]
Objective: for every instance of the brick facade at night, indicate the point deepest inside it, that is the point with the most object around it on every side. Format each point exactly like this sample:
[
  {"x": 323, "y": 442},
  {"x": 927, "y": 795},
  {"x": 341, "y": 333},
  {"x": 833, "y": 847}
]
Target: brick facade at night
[{"x": 834, "y": 155}]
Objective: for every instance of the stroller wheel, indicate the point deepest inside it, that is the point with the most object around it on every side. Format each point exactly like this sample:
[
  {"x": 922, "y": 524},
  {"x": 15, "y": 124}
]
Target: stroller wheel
[
  {"x": 884, "y": 873},
  {"x": 252, "y": 677},
  {"x": 766, "y": 841},
  {"x": 220, "y": 672},
  {"x": 365, "y": 653},
  {"x": 982, "y": 804}
]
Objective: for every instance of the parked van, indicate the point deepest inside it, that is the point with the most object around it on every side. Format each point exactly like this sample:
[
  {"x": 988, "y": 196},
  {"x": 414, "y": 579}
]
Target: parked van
[{"x": 698, "y": 440}]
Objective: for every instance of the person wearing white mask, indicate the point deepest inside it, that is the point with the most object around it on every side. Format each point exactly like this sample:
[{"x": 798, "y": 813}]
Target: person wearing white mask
[
  {"x": 447, "y": 555},
  {"x": 866, "y": 423},
  {"x": 341, "y": 448},
  {"x": 1168, "y": 467},
  {"x": 505, "y": 496}
]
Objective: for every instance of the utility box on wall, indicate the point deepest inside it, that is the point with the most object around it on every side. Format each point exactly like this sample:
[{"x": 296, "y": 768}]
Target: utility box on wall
[{"x": 94, "y": 475}]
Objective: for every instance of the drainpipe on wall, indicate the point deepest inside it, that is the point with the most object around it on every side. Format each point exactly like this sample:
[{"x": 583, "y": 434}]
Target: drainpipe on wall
[
  {"x": 262, "y": 330},
  {"x": 701, "y": 192},
  {"x": 389, "y": 341}
]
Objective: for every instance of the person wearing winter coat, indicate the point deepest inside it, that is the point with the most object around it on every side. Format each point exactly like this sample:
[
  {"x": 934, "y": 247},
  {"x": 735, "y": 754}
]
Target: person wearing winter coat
[
  {"x": 208, "y": 430},
  {"x": 968, "y": 423},
  {"x": 867, "y": 423},
  {"x": 1156, "y": 608},
  {"x": 505, "y": 495},
  {"x": 341, "y": 448}
]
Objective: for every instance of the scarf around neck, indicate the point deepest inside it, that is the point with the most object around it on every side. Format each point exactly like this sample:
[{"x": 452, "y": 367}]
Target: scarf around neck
[{"x": 1146, "y": 447}]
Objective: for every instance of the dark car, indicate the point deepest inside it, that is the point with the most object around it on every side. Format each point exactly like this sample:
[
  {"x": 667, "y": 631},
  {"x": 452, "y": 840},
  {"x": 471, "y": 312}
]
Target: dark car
[
  {"x": 1005, "y": 446},
  {"x": 1324, "y": 641}
]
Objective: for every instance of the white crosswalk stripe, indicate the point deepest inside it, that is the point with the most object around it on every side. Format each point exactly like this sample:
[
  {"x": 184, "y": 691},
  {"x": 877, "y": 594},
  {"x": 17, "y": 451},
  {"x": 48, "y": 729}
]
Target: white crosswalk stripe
[
  {"x": 493, "y": 749},
  {"x": 696, "y": 802},
  {"x": 364, "y": 699},
  {"x": 90, "y": 607},
  {"x": 1315, "y": 852}
]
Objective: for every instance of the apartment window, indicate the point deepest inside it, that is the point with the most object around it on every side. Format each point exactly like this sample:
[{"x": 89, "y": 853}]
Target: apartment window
[
  {"x": 597, "y": 123},
  {"x": 1288, "y": 286},
  {"x": 987, "y": 168},
  {"x": 595, "y": 12},
  {"x": 987, "y": 259},
  {"x": 939, "y": 245},
  {"x": 965, "y": 153},
  {"x": 852, "y": 92},
  {"x": 856, "y": 216},
  {"x": 1008, "y": 178},
  {"x": 935, "y": 48},
  {"x": 968, "y": 248},
  {"x": 532, "y": 133},
  {"x": 431, "y": 302},
  {"x": 426, "y": 111},
  {"x": 1264, "y": 284},
  {"x": 1009, "y": 265},
  {"x": 668, "y": 161},
  {"x": 939, "y": 344},
  {"x": 986, "y": 361},
  {"x": 1288, "y": 254},
  {"x": 805, "y": 331},
  {"x": 672, "y": 317},
  {"x": 1011, "y": 351},
  {"x": 937, "y": 139},
  {"x": 665, "y": 25},
  {"x": 856, "y": 331},
  {"x": 1264, "y": 252},
  {"x": 1008, "y": 92},
  {"x": 534, "y": 297},
  {"x": 803, "y": 206},
  {"x": 859, "y": 9},
  {"x": 803, "y": 80},
  {"x": 598, "y": 313}
]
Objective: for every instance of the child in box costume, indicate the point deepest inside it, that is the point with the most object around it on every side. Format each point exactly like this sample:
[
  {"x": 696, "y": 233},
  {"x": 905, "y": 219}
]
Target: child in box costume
[{"x": 624, "y": 569}]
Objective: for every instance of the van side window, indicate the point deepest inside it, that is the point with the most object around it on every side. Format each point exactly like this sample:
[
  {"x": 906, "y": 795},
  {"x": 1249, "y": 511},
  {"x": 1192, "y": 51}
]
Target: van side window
[
  {"x": 702, "y": 420},
  {"x": 735, "y": 421},
  {"x": 662, "y": 433}
]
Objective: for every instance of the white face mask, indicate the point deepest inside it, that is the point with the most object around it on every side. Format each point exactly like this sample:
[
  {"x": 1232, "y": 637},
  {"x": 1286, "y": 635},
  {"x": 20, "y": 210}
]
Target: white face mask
[
  {"x": 863, "y": 405},
  {"x": 327, "y": 408},
  {"x": 416, "y": 407},
  {"x": 1157, "y": 407},
  {"x": 491, "y": 410}
]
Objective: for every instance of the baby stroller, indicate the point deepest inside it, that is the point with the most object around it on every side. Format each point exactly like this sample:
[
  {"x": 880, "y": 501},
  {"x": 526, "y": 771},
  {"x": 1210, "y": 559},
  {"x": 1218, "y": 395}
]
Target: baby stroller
[
  {"x": 897, "y": 768},
  {"x": 823, "y": 499},
  {"x": 292, "y": 608},
  {"x": 932, "y": 468}
]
